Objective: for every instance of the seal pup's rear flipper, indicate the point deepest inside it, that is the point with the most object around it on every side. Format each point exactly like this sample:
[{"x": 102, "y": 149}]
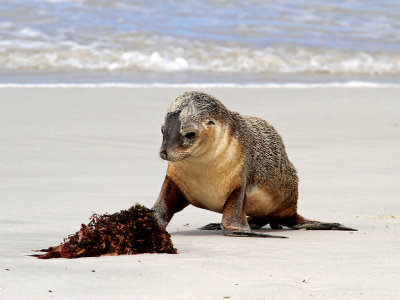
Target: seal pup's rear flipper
[
  {"x": 316, "y": 225},
  {"x": 300, "y": 223},
  {"x": 211, "y": 226}
]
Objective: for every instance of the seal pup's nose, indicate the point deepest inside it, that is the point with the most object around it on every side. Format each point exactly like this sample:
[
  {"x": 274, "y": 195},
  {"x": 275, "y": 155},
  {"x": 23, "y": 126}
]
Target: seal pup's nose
[{"x": 164, "y": 154}]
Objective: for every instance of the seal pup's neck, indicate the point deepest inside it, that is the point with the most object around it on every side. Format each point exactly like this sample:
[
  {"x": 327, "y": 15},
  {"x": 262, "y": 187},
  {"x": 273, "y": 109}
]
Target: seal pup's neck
[{"x": 218, "y": 146}]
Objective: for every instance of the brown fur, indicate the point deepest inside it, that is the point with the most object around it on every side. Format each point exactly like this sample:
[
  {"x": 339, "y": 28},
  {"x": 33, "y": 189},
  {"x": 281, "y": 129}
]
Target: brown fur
[{"x": 228, "y": 163}]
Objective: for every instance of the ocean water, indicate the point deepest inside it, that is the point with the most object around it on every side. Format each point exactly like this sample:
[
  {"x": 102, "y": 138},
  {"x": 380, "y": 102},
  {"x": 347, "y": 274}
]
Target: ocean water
[{"x": 209, "y": 41}]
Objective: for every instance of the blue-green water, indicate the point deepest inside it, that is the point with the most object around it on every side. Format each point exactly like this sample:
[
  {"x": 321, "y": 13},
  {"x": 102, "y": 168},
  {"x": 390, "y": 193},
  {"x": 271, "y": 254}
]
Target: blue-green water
[{"x": 199, "y": 41}]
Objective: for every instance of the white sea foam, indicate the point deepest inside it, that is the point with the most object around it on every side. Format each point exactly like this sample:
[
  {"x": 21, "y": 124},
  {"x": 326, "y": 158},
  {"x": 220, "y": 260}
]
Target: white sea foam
[
  {"x": 280, "y": 38},
  {"x": 44, "y": 55}
]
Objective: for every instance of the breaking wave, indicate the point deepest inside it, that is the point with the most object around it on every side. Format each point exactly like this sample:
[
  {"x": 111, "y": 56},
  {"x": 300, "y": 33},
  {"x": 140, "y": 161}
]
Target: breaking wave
[
  {"x": 192, "y": 56},
  {"x": 217, "y": 38}
]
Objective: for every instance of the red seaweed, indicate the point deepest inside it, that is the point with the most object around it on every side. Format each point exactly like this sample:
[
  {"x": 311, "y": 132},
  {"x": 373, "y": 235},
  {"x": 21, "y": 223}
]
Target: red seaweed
[{"x": 131, "y": 231}]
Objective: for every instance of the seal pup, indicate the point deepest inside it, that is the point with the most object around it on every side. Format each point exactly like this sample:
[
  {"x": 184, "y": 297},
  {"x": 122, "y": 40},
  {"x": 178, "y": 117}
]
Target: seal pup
[{"x": 236, "y": 165}]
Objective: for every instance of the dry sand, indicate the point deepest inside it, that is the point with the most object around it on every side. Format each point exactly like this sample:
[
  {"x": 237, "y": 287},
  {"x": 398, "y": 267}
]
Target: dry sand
[{"x": 68, "y": 152}]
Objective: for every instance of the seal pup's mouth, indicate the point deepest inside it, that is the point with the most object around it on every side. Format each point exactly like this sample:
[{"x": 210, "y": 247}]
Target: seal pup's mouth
[
  {"x": 164, "y": 154},
  {"x": 173, "y": 156}
]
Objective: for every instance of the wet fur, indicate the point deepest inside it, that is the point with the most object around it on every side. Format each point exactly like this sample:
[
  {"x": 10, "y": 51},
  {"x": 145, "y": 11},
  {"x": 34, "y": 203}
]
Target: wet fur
[{"x": 236, "y": 166}]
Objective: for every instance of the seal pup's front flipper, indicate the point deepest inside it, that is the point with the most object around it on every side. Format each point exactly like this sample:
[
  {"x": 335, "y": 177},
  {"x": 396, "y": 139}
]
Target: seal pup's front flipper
[
  {"x": 170, "y": 201},
  {"x": 217, "y": 226},
  {"x": 234, "y": 221}
]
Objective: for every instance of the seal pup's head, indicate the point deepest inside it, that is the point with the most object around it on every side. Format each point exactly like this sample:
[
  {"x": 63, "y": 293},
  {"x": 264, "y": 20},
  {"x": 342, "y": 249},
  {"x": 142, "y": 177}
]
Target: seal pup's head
[{"x": 191, "y": 124}]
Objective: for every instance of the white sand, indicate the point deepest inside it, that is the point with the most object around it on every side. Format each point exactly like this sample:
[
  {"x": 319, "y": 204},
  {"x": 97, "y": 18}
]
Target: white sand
[{"x": 66, "y": 153}]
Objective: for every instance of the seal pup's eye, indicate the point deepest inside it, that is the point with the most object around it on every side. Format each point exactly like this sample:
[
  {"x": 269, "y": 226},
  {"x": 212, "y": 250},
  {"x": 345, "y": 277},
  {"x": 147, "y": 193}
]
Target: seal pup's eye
[
  {"x": 162, "y": 130},
  {"x": 210, "y": 122},
  {"x": 190, "y": 135}
]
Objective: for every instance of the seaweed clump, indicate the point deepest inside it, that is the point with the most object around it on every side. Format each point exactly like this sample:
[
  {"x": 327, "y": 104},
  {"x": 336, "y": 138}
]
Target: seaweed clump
[{"x": 131, "y": 231}]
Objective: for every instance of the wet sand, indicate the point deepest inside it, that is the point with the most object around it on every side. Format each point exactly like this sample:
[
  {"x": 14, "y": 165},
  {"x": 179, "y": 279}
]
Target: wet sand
[{"x": 68, "y": 152}]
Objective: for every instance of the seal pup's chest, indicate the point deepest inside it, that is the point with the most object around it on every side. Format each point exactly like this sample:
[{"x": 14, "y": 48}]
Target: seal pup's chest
[
  {"x": 208, "y": 182},
  {"x": 207, "y": 186}
]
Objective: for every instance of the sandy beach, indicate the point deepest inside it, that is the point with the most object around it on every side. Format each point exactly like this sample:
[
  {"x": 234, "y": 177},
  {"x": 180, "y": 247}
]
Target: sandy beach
[{"x": 68, "y": 152}]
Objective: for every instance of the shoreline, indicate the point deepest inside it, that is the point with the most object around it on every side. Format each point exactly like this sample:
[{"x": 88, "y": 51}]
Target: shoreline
[{"x": 349, "y": 84}]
